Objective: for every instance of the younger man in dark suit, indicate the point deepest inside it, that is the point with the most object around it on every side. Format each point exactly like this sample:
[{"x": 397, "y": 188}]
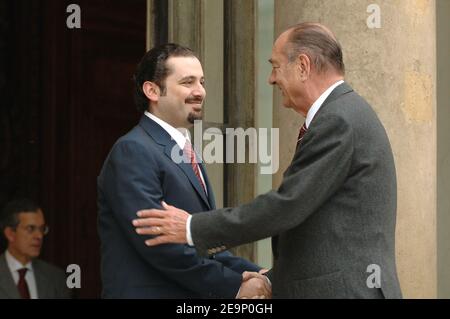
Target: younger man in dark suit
[{"x": 140, "y": 172}]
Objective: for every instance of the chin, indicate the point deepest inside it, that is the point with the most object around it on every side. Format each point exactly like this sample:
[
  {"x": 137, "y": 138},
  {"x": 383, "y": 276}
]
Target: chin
[
  {"x": 194, "y": 117},
  {"x": 35, "y": 253}
]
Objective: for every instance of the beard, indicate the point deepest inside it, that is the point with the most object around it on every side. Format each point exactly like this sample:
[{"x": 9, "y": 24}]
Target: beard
[{"x": 194, "y": 116}]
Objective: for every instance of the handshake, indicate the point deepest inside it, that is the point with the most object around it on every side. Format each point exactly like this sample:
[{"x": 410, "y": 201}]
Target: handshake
[{"x": 255, "y": 286}]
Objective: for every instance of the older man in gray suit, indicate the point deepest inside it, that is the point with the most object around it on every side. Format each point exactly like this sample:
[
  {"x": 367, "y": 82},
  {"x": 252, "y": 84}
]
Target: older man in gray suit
[
  {"x": 22, "y": 275},
  {"x": 333, "y": 217}
]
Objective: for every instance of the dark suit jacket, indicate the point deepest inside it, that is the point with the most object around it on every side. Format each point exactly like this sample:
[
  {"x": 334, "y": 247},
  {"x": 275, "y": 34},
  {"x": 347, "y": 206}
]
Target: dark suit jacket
[
  {"x": 50, "y": 281},
  {"x": 138, "y": 174},
  {"x": 333, "y": 215}
]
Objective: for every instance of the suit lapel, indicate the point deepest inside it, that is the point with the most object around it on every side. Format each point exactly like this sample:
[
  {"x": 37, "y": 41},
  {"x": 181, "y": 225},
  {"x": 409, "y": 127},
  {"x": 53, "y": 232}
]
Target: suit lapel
[
  {"x": 163, "y": 138},
  {"x": 7, "y": 281},
  {"x": 211, "y": 199},
  {"x": 341, "y": 89}
]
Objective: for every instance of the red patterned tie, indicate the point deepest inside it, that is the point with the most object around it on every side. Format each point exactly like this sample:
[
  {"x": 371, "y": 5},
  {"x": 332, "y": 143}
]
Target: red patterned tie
[
  {"x": 22, "y": 284},
  {"x": 302, "y": 132},
  {"x": 189, "y": 152}
]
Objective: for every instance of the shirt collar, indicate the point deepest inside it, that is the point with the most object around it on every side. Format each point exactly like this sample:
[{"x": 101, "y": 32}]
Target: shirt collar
[
  {"x": 318, "y": 103},
  {"x": 177, "y": 135},
  {"x": 14, "y": 264}
]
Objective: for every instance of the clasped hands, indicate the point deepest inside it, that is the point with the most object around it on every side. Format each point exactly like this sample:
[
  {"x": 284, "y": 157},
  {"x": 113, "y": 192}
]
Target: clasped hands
[{"x": 255, "y": 286}]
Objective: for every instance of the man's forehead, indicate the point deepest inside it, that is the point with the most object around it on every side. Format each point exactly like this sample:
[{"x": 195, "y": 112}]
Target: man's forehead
[
  {"x": 184, "y": 64},
  {"x": 276, "y": 57},
  {"x": 280, "y": 42},
  {"x": 31, "y": 216},
  {"x": 278, "y": 47}
]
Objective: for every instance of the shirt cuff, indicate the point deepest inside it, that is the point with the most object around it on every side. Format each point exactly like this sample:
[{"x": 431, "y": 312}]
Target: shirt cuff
[{"x": 188, "y": 231}]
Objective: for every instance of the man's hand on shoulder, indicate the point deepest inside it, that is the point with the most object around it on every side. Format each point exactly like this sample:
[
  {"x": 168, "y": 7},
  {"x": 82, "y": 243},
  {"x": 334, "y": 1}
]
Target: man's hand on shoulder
[{"x": 167, "y": 224}]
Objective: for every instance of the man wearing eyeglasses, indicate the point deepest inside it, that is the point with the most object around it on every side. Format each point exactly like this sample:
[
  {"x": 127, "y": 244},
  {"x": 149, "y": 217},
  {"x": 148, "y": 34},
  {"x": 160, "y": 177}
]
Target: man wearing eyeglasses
[{"x": 22, "y": 275}]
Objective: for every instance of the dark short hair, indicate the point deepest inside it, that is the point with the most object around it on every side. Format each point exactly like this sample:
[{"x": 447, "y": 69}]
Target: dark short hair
[
  {"x": 10, "y": 213},
  {"x": 153, "y": 68},
  {"x": 318, "y": 43}
]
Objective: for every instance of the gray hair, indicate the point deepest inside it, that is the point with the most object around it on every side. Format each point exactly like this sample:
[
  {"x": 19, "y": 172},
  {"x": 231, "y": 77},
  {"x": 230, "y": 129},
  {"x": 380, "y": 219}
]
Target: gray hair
[{"x": 318, "y": 43}]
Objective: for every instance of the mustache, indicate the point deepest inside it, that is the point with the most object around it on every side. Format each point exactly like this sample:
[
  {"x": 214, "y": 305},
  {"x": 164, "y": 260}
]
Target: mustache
[{"x": 197, "y": 100}]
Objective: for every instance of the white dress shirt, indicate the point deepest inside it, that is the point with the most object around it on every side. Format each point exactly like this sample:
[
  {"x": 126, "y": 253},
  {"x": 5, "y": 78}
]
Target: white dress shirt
[
  {"x": 309, "y": 117},
  {"x": 14, "y": 265}
]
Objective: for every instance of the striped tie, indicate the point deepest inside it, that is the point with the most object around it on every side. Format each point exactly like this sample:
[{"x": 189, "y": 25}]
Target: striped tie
[
  {"x": 302, "y": 132},
  {"x": 189, "y": 152}
]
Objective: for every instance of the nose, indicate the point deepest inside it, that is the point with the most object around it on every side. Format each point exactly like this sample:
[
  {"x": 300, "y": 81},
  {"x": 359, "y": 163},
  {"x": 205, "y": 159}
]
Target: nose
[
  {"x": 271, "y": 79},
  {"x": 39, "y": 236},
  {"x": 199, "y": 91}
]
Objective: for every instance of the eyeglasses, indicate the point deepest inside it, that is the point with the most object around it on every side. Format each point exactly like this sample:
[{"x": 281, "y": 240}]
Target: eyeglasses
[{"x": 30, "y": 229}]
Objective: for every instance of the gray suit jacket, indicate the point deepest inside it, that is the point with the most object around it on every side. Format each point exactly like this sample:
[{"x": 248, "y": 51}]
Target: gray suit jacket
[
  {"x": 50, "y": 281},
  {"x": 333, "y": 215}
]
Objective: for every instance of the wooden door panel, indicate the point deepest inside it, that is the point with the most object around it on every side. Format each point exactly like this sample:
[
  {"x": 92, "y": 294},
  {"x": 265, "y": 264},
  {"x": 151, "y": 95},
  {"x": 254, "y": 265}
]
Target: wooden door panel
[{"x": 88, "y": 105}]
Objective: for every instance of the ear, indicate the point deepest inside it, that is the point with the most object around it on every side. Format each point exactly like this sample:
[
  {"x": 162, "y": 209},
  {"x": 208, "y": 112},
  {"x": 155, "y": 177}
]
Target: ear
[
  {"x": 151, "y": 91},
  {"x": 304, "y": 66},
  {"x": 10, "y": 234}
]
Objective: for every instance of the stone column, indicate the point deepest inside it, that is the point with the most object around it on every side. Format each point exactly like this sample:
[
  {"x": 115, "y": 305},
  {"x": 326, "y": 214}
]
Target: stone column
[
  {"x": 443, "y": 146},
  {"x": 394, "y": 68}
]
